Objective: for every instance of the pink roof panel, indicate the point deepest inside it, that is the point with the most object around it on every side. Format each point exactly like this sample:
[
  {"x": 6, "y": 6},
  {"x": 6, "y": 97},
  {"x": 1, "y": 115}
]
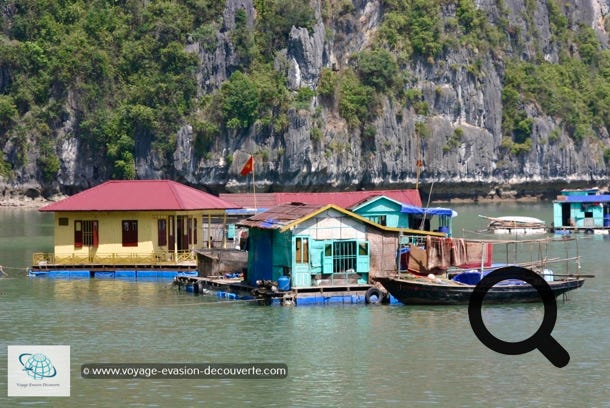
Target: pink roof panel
[
  {"x": 346, "y": 199},
  {"x": 140, "y": 195}
]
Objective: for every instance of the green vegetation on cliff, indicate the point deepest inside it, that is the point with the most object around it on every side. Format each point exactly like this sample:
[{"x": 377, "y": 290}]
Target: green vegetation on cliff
[{"x": 122, "y": 72}]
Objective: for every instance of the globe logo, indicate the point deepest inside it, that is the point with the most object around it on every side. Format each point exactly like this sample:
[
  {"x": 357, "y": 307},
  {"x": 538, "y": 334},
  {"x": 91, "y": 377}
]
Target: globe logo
[{"x": 38, "y": 366}]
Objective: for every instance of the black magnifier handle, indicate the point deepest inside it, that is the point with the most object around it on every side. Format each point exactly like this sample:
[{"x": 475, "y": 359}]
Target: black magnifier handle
[{"x": 553, "y": 351}]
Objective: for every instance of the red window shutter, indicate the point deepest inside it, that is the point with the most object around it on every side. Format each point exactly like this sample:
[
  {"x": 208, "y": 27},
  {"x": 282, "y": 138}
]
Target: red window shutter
[
  {"x": 171, "y": 232},
  {"x": 78, "y": 234},
  {"x": 161, "y": 232},
  {"x": 195, "y": 231}
]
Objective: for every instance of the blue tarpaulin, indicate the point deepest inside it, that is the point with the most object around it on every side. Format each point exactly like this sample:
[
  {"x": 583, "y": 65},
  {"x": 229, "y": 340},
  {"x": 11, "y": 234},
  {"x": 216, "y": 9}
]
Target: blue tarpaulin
[
  {"x": 411, "y": 209},
  {"x": 599, "y": 198}
]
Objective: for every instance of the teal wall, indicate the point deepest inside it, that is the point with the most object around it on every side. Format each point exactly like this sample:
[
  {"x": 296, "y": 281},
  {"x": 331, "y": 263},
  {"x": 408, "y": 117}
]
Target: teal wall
[
  {"x": 577, "y": 214},
  {"x": 389, "y": 208}
]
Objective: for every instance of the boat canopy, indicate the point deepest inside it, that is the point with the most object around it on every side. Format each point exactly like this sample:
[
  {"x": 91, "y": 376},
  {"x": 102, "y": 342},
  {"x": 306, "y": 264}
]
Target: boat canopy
[{"x": 411, "y": 209}]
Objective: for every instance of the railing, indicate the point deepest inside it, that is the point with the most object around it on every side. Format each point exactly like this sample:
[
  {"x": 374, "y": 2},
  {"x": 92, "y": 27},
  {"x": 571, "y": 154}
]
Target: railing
[{"x": 111, "y": 259}]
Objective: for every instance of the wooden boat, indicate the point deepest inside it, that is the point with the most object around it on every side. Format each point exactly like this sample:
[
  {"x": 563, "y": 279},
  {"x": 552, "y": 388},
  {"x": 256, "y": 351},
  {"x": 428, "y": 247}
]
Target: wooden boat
[
  {"x": 515, "y": 225},
  {"x": 425, "y": 291},
  {"x": 444, "y": 271}
]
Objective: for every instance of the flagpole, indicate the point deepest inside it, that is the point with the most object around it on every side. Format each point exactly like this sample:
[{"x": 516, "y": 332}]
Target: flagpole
[{"x": 253, "y": 185}]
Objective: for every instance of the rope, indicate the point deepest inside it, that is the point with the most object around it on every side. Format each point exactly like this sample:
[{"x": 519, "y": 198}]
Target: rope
[{"x": 12, "y": 267}]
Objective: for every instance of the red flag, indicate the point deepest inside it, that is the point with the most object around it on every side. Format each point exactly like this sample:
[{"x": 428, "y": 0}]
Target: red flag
[{"x": 248, "y": 167}]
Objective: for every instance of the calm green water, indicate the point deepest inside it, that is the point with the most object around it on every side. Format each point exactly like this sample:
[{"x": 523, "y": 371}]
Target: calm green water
[{"x": 336, "y": 355}]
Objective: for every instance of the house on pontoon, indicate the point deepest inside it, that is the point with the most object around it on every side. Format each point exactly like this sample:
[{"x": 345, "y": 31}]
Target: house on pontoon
[
  {"x": 320, "y": 245},
  {"x": 392, "y": 208},
  {"x": 585, "y": 210},
  {"x": 124, "y": 226},
  {"x": 391, "y": 213}
]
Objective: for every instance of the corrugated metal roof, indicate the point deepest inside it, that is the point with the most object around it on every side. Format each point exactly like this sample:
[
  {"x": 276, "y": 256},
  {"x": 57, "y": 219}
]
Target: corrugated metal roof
[
  {"x": 344, "y": 199},
  {"x": 284, "y": 216},
  {"x": 280, "y": 216},
  {"x": 140, "y": 195}
]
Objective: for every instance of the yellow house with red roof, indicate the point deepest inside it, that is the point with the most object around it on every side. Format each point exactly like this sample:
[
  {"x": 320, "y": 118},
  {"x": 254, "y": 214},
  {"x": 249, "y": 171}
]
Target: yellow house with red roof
[{"x": 139, "y": 223}]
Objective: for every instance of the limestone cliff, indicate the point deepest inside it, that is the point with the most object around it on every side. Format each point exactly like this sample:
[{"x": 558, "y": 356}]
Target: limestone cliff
[{"x": 458, "y": 138}]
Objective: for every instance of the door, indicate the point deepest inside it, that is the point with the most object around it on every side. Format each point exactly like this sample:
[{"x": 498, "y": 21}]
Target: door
[
  {"x": 565, "y": 214},
  {"x": 182, "y": 233},
  {"x": 301, "y": 273},
  {"x": 363, "y": 260}
]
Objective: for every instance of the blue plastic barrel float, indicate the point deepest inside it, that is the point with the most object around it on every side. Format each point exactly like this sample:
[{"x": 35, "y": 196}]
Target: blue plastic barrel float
[{"x": 283, "y": 283}]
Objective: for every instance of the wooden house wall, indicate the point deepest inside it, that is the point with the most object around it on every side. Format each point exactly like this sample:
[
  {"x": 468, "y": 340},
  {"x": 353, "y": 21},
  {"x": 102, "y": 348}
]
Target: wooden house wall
[
  {"x": 219, "y": 261},
  {"x": 382, "y": 248},
  {"x": 282, "y": 253},
  {"x": 269, "y": 255},
  {"x": 331, "y": 224}
]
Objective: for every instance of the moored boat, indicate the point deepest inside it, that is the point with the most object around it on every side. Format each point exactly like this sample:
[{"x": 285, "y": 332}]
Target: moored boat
[
  {"x": 425, "y": 291},
  {"x": 517, "y": 225},
  {"x": 445, "y": 271}
]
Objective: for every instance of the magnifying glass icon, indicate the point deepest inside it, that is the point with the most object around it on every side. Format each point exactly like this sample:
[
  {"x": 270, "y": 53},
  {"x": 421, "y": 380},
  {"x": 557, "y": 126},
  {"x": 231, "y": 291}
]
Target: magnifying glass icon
[{"x": 542, "y": 339}]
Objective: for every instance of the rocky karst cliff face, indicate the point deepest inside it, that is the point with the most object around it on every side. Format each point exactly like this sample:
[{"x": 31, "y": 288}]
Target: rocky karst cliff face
[{"x": 457, "y": 97}]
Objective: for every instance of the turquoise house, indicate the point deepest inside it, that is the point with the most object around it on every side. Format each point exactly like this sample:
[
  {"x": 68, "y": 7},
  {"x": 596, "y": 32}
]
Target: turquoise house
[
  {"x": 585, "y": 209},
  {"x": 391, "y": 213},
  {"x": 320, "y": 245}
]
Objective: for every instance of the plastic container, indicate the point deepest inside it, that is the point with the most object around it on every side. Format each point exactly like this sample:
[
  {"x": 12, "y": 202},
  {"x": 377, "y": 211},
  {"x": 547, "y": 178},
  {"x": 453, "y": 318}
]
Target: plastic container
[{"x": 283, "y": 283}]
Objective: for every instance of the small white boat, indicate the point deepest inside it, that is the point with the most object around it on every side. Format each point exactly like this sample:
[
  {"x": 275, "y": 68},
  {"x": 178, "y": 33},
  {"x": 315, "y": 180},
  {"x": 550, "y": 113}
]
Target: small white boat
[{"x": 515, "y": 225}]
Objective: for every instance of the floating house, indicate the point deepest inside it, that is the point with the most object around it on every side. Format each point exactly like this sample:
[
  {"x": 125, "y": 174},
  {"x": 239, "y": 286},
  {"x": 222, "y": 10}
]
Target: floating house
[
  {"x": 320, "y": 245},
  {"x": 392, "y": 213},
  {"x": 582, "y": 210},
  {"x": 345, "y": 199},
  {"x": 392, "y": 208},
  {"x": 129, "y": 227}
]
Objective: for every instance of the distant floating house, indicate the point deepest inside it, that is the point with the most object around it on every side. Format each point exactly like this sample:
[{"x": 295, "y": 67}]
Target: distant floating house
[
  {"x": 582, "y": 210},
  {"x": 130, "y": 224},
  {"x": 344, "y": 199},
  {"x": 320, "y": 245}
]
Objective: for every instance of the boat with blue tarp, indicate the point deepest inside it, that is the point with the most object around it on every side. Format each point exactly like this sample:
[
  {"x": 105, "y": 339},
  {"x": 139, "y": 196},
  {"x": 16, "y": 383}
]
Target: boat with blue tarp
[
  {"x": 445, "y": 271},
  {"x": 424, "y": 290}
]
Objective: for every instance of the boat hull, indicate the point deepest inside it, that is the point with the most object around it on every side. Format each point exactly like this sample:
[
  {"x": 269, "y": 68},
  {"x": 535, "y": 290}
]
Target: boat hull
[
  {"x": 518, "y": 231},
  {"x": 420, "y": 292}
]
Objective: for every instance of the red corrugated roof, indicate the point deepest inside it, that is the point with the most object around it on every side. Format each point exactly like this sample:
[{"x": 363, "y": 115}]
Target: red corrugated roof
[
  {"x": 346, "y": 199},
  {"x": 140, "y": 195}
]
